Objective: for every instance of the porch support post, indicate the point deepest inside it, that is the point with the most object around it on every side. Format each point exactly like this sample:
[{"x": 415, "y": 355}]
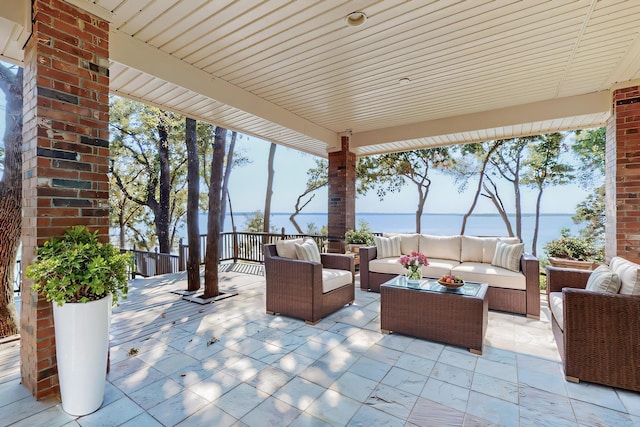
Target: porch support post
[
  {"x": 65, "y": 157},
  {"x": 342, "y": 195},
  {"x": 622, "y": 232}
]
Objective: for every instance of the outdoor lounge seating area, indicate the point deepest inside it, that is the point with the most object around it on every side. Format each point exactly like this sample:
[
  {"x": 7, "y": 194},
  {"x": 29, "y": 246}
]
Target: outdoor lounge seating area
[
  {"x": 513, "y": 288},
  {"x": 597, "y": 327},
  {"x": 230, "y": 363}
]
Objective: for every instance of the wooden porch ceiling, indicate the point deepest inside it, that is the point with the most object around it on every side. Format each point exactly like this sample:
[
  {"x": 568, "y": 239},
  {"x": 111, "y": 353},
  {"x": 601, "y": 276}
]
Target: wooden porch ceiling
[{"x": 295, "y": 73}]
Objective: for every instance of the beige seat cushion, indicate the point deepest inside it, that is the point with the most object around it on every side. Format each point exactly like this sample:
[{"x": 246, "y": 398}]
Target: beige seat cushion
[
  {"x": 436, "y": 267},
  {"x": 555, "y": 304},
  {"x": 408, "y": 242},
  {"x": 334, "y": 279},
  {"x": 440, "y": 247},
  {"x": 497, "y": 277},
  {"x": 629, "y": 275},
  {"x": 287, "y": 248}
]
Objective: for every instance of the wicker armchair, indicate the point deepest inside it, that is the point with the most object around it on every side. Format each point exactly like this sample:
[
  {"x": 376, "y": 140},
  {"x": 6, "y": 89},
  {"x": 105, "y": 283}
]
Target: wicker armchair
[
  {"x": 295, "y": 287},
  {"x": 601, "y": 337}
]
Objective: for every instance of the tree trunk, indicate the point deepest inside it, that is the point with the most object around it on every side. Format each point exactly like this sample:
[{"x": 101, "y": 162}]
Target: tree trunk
[
  {"x": 485, "y": 161},
  {"x": 10, "y": 199},
  {"x": 534, "y": 242},
  {"x": 121, "y": 224},
  {"x": 162, "y": 219},
  {"x": 500, "y": 208},
  {"x": 193, "y": 197},
  {"x": 225, "y": 182},
  {"x": 212, "y": 254},
  {"x": 269, "y": 194}
]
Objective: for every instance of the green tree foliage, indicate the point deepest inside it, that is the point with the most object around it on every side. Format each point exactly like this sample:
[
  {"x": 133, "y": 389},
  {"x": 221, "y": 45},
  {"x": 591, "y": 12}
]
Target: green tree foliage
[
  {"x": 149, "y": 169},
  {"x": 317, "y": 177},
  {"x": 543, "y": 168},
  {"x": 390, "y": 172},
  {"x": 589, "y": 148}
]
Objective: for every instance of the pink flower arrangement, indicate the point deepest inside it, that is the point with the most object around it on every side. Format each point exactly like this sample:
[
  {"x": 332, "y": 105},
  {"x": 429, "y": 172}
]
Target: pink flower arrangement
[{"x": 413, "y": 262}]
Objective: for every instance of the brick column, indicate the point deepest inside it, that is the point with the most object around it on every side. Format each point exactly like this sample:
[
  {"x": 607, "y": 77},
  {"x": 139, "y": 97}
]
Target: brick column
[
  {"x": 623, "y": 176},
  {"x": 65, "y": 157},
  {"x": 342, "y": 195}
]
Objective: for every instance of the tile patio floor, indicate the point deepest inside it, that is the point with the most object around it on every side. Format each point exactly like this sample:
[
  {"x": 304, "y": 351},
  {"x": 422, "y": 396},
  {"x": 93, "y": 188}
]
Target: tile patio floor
[{"x": 275, "y": 371}]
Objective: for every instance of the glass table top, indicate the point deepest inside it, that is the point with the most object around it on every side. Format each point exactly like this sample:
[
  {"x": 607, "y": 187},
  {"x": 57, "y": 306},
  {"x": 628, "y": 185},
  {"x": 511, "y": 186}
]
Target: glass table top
[{"x": 431, "y": 285}]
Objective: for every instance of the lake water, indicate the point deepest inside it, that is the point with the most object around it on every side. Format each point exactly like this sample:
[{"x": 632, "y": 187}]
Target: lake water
[{"x": 441, "y": 224}]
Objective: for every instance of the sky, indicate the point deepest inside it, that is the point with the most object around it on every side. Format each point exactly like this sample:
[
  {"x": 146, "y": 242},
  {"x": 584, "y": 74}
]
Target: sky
[{"x": 247, "y": 187}]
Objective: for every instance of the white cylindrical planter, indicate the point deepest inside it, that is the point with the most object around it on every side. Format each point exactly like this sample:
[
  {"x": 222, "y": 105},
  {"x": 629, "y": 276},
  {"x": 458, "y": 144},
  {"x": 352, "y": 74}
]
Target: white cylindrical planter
[{"x": 82, "y": 345}]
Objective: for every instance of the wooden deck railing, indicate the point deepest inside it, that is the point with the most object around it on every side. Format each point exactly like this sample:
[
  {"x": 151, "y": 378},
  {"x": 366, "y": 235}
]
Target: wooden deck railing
[{"x": 243, "y": 246}]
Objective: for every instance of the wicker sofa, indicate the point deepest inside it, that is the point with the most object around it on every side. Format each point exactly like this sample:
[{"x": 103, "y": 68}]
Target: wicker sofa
[
  {"x": 470, "y": 258},
  {"x": 598, "y": 334},
  {"x": 308, "y": 290}
]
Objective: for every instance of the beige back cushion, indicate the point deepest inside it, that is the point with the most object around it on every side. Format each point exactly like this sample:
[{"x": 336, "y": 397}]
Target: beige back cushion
[
  {"x": 287, "y": 248},
  {"x": 490, "y": 246},
  {"x": 387, "y": 247},
  {"x": 441, "y": 247},
  {"x": 472, "y": 249},
  {"x": 408, "y": 242},
  {"x": 628, "y": 273},
  {"x": 603, "y": 280}
]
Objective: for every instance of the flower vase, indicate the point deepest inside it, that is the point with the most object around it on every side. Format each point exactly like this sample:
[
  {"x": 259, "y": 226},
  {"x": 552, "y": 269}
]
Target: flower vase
[{"x": 413, "y": 276}]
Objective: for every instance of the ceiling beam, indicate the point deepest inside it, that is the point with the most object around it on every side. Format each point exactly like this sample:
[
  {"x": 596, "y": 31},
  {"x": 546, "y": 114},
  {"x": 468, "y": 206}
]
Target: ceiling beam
[
  {"x": 141, "y": 56},
  {"x": 579, "y": 105}
]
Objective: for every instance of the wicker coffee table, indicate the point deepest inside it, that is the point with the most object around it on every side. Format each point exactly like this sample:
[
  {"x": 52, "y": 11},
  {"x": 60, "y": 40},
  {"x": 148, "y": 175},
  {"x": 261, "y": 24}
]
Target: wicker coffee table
[{"x": 433, "y": 312}]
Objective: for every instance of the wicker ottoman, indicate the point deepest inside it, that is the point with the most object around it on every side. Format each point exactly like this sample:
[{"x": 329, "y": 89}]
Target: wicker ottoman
[{"x": 432, "y": 312}]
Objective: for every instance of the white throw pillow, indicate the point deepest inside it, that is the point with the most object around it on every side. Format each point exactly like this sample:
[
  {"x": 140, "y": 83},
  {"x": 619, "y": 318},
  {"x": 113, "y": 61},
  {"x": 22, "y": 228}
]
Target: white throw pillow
[
  {"x": 490, "y": 246},
  {"x": 508, "y": 256},
  {"x": 387, "y": 247},
  {"x": 629, "y": 274},
  {"x": 603, "y": 280},
  {"x": 287, "y": 248},
  {"x": 308, "y": 251}
]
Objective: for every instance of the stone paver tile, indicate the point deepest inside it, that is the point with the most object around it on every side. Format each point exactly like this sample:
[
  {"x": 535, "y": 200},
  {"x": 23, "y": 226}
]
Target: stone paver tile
[
  {"x": 459, "y": 358},
  {"x": 495, "y": 387},
  {"x": 597, "y": 394},
  {"x": 427, "y": 413},
  {"x": 333, "y": 408},
  {"x": 368, "y": 416},
  {"x": 114, "y": 414},
  {"x": 177, "y": 408},
  {"x": 142, "y": 420},
  {"x": 174, "y": 363},
  {"x": 215, "y": 386},
  {"x": 299, "y": 393},
  {"x": 209, "y": 415},
  {"x": 537, "y": 407},
  {"x": 383, "y": 354},
  {"x": 452, "y": 374},
  {"x": 503, "y": 371},
  {"x": 405, "y": 380},
  {"x": 427, "y": 349},
  {"x": 293, "y": 363},
  {"x": 156, "y": 392},
  {"x": 53, "y": 416},
  {"x": 271, "y": 412},
  {"x": 392, "y": 401},
  {"x": 417, "y": 364},
  {"x": 270, "y": 380},
  {"x": 240, "y": 400},
  {"x": 370, "y": 368},
  {"x": 588, "y": 414},
  {"x": 446, "y": 394},
  {"x": 308, "y": 420},
  {"x": 354, "y": 386},
  {"x": 137, "y": 380},
  {"x": 631, "y": 401},
  {"x": 21, "y": 409},
  {"x": 493, "y": 409}
]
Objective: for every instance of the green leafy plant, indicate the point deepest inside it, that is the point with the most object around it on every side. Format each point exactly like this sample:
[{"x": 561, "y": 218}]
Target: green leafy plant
[
  {"x": 363, "y": 236},
  {"x": 78, "y": 268},
  {"x": 572, "y": 247}
]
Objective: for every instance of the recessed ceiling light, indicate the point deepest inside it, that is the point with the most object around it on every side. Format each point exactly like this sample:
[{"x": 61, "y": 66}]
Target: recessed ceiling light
[
  {"x": 404, "y": 81},
  {"x": 355, "y": 19}
]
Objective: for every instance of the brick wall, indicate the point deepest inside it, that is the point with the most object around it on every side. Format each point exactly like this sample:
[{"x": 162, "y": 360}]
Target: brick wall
[
  {"x": 342, "y": 195},
  {"x": 625, "y": 151},
  {"x": 65, "y": 157}
]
